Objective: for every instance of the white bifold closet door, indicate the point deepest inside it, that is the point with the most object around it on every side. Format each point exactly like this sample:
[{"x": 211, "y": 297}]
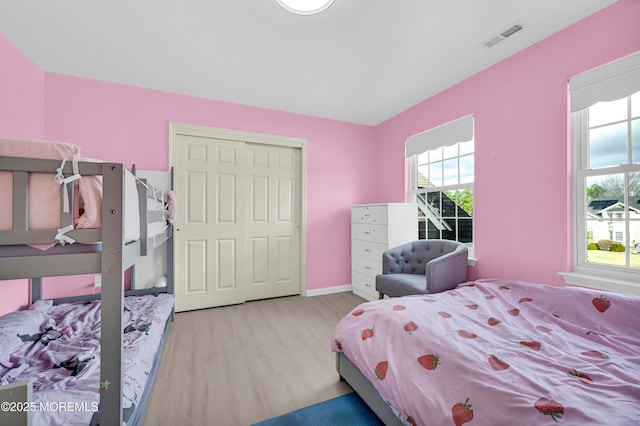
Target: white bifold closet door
[{"x": 238, "y": 221}]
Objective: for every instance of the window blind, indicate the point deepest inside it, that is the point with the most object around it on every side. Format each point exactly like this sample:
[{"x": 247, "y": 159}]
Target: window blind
[
  {"x": 460, "y": 130},
  {"x": 606, "y": 83}
]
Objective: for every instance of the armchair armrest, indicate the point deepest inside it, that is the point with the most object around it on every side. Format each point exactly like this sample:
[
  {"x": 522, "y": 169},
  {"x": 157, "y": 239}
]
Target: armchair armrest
[{"x": 447, "y": 271}]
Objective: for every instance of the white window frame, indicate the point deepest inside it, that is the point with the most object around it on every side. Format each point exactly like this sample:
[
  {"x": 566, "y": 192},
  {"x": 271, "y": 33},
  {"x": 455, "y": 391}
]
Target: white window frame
[
  {"x": 600, "y": 276},
  {"x": 446, "y": 135}
]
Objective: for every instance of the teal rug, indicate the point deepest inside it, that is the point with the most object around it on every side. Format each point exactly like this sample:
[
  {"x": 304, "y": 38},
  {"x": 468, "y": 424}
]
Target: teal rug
[{"x": 345, "y": 410}]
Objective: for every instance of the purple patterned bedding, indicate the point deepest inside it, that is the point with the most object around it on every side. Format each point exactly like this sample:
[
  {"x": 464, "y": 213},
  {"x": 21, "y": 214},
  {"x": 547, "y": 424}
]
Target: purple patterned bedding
[
  {"x": 58, "y": 349},
  {"x": 501, "y": 352}
]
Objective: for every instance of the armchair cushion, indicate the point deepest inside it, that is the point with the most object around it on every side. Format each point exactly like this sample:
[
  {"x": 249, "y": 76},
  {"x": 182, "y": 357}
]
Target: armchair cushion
[
  {"x": 396, "y": 285},
  {"x": 432, "y": 266}
]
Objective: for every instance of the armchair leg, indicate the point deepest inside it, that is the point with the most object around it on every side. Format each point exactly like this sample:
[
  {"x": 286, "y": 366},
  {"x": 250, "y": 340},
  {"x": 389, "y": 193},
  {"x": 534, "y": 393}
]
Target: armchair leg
[{"x": 380, "y": 296}]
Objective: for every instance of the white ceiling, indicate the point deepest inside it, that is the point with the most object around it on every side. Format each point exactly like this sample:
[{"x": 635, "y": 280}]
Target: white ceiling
[{"x": 360, "y": 61}]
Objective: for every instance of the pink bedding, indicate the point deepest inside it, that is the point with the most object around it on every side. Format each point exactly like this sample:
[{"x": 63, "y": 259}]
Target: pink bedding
[
  {"x": 500, "y": 352},
  {"x": 44, "y": 191}
]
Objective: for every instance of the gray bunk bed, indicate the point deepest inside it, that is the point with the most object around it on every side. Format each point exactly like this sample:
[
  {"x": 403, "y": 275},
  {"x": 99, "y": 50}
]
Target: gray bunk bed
[{"x": 111, "y": 257}]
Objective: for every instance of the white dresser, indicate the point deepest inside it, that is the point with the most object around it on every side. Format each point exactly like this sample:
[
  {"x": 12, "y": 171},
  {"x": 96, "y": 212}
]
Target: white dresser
[{"x": 374, "y": 229}]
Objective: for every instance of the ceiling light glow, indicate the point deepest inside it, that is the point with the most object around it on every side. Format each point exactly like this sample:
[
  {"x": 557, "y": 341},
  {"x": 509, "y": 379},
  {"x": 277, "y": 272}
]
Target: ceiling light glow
[{"x": 305, "y": 7}]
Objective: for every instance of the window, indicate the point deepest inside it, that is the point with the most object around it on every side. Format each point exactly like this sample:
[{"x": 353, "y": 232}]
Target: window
[
  {"x": 606, "y": 144},
  {"x": 441, "y": 181},
  {"x": 608, "y": 174}
]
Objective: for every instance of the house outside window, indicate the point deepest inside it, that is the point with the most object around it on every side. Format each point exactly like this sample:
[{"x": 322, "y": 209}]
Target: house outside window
[
  {"x": 606, "y": 161},
  {"x": 441, "y": 181}
]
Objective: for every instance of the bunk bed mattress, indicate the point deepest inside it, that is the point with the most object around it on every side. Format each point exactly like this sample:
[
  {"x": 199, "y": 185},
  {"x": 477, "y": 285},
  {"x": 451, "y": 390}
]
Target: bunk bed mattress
[
  {"x": 500, "y": 352},
  {"x": 61, "y": 356}
]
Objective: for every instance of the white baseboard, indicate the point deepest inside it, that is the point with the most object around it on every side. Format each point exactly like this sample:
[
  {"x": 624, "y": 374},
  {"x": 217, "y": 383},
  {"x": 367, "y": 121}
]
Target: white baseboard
[{"x": 329, "y": 290}]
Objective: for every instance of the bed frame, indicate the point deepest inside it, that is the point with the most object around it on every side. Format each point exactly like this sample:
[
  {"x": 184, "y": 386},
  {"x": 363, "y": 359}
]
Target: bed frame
[
  {"x": 115, "y": 257},
  {"x": 351, "y": 374}
]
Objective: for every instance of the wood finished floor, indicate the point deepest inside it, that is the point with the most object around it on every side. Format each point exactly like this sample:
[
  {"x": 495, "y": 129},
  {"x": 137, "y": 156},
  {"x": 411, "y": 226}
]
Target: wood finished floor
[{"x": 241, "y": 364}]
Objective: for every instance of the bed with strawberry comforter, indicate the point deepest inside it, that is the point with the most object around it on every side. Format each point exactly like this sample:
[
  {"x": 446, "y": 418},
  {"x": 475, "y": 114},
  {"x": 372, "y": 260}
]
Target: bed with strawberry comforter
[{"x": 500, "y": 352}]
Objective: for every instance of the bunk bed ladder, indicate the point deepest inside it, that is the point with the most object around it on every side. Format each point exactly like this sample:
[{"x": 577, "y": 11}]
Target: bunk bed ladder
[{"x": 112, "y": 296}]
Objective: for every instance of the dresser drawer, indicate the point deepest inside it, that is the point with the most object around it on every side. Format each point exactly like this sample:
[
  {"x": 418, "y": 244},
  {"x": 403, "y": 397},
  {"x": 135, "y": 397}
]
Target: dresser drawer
[
  {"x": 370, "y": 214},
  {"x": 373, "y": 233},
  {"x": 367, "y": 267},
  {"x": 364, "y": 286},
  {"x": 368, "y": 250}
]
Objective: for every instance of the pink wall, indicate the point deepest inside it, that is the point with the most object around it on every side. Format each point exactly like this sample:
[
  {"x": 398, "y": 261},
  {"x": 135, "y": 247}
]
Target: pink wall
[
  {"x": 21, "y": 94},
  {"x": 129, "y": 124},
  {"x": 523, "y": 209},
  {"x": 21, "y": 116}
]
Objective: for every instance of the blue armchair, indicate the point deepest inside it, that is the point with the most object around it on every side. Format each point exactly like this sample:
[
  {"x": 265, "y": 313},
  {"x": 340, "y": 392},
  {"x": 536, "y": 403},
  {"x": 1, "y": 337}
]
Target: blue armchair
[{"x": 422, "y": 267}]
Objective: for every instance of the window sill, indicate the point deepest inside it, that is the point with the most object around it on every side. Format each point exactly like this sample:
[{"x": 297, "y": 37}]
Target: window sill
[
  {"x": 471, "y": 261},
  {"x": 601, "y": 283}
]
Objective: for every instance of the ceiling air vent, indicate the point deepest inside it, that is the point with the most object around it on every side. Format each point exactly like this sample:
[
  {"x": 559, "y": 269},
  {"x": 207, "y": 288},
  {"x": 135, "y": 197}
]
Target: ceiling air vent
[{"x": 508, "y": 32}]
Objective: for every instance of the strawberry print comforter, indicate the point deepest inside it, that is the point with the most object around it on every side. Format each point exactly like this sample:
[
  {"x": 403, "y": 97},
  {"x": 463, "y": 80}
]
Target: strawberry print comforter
[{"x": 501, "y": 352}]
